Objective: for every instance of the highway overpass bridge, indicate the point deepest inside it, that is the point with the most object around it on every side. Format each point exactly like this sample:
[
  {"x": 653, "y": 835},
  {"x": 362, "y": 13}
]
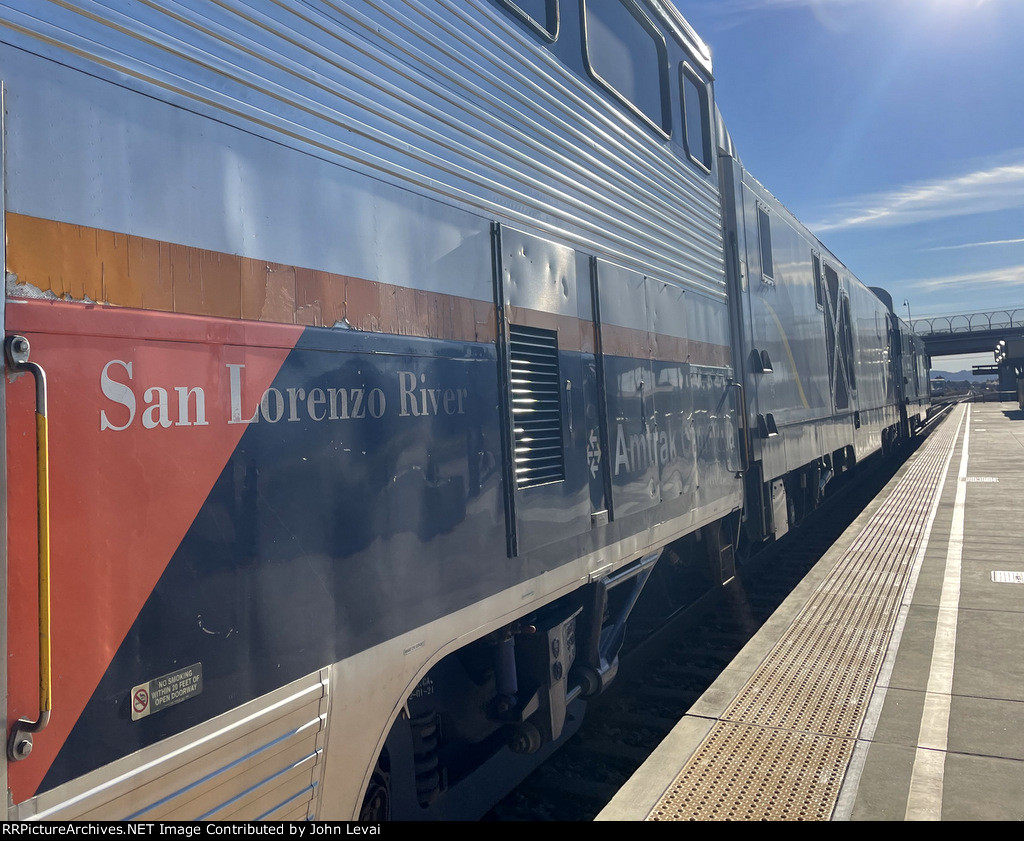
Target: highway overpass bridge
[
  {"x": 999, "y": 332},
  {"x": 975, "y": 332}
]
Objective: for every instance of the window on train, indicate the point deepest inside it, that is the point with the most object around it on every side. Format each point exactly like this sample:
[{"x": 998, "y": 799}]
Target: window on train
[
  {"x": 696, "y": 117},
  {"x": 819, "y": 290},
  {"x": 847, "y": 336},
  {"x": 540, "y": 15},
  {"x": 891, "y": 356},
  {"x": 833, "y": 337},
  {"x": 764, "y": 232},
  {"x": 626, "y": 53}
]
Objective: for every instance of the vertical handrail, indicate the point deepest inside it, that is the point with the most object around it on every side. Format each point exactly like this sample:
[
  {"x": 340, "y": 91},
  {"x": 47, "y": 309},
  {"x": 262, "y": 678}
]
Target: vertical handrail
[
  {"x": 568, "y": 403},
  {"x": 19, "y": 743},
  {"x": 745, "y": 448}
]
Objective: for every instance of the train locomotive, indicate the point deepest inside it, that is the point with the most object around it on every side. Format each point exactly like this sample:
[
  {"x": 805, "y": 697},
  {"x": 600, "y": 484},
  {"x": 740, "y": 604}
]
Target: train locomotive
[{"x": 366, "y": 362}]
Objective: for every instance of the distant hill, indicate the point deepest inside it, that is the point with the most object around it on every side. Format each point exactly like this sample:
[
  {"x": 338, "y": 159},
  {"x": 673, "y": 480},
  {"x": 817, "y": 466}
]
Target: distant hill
[{"x": 960, "y": 376}]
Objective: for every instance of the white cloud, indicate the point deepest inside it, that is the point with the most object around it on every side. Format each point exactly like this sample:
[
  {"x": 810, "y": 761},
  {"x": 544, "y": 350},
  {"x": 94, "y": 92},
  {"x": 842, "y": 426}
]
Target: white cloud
[
  {"x": 732, "y": 6},
  {"x": 725, "y": 8},
  {"x": 729, "y": 6},
  {"x": 998, "y": 188},
  {"x": 839, "y": 16},
  {"x": 976, "y": 245},
  {"x": 1003, "y": 277}
]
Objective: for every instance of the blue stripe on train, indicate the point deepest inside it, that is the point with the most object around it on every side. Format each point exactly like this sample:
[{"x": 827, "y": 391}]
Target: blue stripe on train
[{"x": 363, "y": 500}]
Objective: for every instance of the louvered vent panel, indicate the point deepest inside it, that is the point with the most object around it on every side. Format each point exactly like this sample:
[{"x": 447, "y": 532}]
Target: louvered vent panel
[{"x": 536, "y": 406}]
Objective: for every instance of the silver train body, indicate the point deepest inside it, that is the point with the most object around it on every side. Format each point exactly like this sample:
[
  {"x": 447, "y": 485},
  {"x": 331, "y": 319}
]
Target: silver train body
[{"x": 344, "y": 233}]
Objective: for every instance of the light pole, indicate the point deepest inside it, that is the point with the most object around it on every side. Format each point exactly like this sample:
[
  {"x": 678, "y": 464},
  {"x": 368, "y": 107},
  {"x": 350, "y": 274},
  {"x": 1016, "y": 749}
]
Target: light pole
[{"x": 910, "y": 320}]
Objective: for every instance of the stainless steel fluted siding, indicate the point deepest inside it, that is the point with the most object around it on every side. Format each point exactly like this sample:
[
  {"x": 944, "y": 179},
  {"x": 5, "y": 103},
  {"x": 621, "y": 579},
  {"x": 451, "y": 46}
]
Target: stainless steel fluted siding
[
  {"x": 450, "y": 99},
  {"x": 262, "y": 760}
]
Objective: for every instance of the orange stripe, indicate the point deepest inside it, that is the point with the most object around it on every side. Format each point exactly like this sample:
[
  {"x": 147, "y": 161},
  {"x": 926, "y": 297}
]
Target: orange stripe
[
  {"x": 573, "y": 333},
  {"x": 76, "y": 262},
  {"x": 638, "y": 344}
]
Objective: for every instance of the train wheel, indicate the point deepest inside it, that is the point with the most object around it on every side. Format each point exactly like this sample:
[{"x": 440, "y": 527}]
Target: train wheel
[{"x": 377, "y": 803}]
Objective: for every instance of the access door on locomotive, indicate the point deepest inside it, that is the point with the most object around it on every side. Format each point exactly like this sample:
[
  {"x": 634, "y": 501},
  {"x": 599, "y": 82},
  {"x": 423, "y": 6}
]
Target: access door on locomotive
[{"x": 615, "y": 409}]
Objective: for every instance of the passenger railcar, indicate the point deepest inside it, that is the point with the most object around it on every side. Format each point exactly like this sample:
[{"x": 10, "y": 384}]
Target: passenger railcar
[
  {"x": 831, "y": 375},
  {"x": 365, "y": 360}
]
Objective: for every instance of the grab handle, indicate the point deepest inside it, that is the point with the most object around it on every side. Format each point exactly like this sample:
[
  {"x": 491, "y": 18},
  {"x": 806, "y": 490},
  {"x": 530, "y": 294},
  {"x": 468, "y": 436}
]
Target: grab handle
[
  {"x": 744, "y": 442},
  {"x": 19, "y": 744}
]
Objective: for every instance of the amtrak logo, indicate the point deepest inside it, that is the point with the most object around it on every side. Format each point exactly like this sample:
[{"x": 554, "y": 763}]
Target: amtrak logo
[{"x": 593, "y": 453}]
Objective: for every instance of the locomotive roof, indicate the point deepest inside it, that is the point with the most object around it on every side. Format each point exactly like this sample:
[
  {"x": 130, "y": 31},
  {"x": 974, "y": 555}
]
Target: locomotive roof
[{"x": 682, "y": 30}]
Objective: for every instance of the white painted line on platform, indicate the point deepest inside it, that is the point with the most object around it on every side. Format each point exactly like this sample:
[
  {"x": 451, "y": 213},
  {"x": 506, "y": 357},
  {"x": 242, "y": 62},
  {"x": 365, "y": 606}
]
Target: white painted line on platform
[
  {"x": 855, "y": 771},
  {"x": 924, "y": 802}
]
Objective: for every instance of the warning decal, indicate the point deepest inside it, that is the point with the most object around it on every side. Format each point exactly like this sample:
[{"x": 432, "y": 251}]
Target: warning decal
[{"x": 166, "y": 691}]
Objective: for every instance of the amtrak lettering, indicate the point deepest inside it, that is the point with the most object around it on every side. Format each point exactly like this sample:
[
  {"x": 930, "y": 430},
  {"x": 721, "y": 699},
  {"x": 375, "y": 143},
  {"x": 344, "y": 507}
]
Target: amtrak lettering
[
  {"x": 164, "y": 407},
  {"x": 663, "y": 446},
  {"x": 635, "y": 453}
]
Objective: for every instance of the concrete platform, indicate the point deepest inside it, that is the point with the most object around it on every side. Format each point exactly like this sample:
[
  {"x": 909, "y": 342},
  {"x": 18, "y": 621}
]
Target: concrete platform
[{"x": 890, "y": 685}]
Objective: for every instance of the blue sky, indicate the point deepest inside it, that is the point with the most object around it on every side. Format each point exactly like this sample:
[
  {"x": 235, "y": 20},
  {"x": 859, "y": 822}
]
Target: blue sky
[{"x": 893, "y": 128}]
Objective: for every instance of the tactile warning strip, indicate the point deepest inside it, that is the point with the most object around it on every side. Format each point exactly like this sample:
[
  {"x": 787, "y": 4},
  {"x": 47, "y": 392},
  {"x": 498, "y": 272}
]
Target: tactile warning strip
[
  {"x": 801, "y": 771},
  {"x": 781, "y": 748}
]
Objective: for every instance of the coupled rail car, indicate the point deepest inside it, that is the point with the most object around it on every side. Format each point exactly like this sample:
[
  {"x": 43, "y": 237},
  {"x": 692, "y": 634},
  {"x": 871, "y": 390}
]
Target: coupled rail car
[{"x": 365, "y": 361}]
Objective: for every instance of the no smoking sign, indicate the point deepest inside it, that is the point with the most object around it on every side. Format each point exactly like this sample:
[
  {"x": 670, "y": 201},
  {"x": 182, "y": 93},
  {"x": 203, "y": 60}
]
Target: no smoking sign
[
  {"x": 166, "y": 690},
  {"x": 140, "y": 702}
]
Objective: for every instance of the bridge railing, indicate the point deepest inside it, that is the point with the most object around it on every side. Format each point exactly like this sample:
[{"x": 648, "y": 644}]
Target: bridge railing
[{"x": 969, "y": 322}]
